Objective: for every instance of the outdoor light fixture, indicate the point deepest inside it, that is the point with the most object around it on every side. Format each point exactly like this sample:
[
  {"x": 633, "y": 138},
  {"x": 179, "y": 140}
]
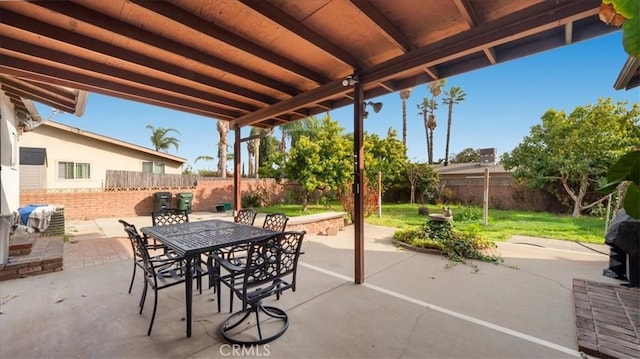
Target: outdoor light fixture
[
  {"x": 350, "y": 81},
  {"x": 377, "y": 106}
]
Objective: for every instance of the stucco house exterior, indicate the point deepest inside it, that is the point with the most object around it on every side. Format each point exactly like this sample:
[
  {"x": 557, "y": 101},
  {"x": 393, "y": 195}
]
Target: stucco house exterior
[{"x": 57, "y": 156}]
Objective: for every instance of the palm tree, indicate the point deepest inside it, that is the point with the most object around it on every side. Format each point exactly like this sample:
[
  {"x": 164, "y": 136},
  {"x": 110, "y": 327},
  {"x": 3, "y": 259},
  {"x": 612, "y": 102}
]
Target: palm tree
[
  {"x": 424, "y": 112},
  {"x": 160, "y": 140},
  {"x": 435, "y": 88},
  {"x": 223, "y": 130},
  {"x": 454, "y": 96},
  {"x": 404, "y": 95}
]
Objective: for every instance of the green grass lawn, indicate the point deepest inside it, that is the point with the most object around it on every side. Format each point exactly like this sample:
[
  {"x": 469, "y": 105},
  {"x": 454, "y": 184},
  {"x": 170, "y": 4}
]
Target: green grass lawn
[{"x": 502, "y": 224}]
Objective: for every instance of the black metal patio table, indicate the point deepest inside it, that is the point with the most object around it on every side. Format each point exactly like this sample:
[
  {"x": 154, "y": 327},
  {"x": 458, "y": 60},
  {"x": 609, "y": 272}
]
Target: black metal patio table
[{"x": 195, "y": 238}]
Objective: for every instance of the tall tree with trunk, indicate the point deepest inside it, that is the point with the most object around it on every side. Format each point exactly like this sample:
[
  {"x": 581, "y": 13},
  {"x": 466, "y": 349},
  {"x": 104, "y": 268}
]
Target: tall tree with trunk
[
  {"x": 575, "y": 151},
  {"x": 424, "y": 112},
  {"x": 223, "y": 130},
  {"x": 161, "y": 142},
  {"x": 454, "y": 96},
  {"x": 404, "y": 96},
  {"x": 427, "y": 111}
]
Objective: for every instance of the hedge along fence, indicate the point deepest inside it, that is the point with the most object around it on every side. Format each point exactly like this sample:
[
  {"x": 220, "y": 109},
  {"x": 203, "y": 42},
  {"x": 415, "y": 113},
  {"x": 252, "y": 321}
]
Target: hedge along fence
[{"x": 82, "y": 204}]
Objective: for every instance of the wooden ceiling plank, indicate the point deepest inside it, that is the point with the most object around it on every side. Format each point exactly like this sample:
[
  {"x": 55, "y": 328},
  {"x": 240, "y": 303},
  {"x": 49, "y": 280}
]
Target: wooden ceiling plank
[
  {"x": 27, "y": 24},
  {"x": 19, "y": 67},
  {"x": 538, "y": 18},
  {"x": 127, "y": 30},
  {"x": 120, "y": 74},
  {"x": 386, "y": 27},
  {"x": 281, "y": 18},
  {"x": 212, "y": 30}
]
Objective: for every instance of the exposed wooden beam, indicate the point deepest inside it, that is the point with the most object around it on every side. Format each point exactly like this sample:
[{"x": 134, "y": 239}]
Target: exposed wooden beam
[
  {"x": 468, "y": 12},
  {"x": 35, "y": 96},
  {"x": 48, "y": 91},
  {"x": 36, "y": 93},
  {"x": 432, "y": 72},
  {"x": 134, "y": 79},
  {"x": 212, "y": 30},
  {"x": 276, "y": 15},
  {"x": 538, "y": 18},
  {"x": 24, "y": 23},
  {"x": 388, "y": 85},
  {"x": 94, "y": 18},
  {"x": 471, "y": 17},
  {"x": 568, "y": 33},
  {"x": 386, "y": 27},
  {"x": 71, "y": 95},
  {"x": 19, "y": 67},
  {"x": 491, "y": 55}
]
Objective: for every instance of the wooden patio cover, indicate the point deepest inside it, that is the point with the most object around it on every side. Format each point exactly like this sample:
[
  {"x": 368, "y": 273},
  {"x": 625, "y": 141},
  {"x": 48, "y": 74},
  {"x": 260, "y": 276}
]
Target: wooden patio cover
[{"x": 267, "y": 63}]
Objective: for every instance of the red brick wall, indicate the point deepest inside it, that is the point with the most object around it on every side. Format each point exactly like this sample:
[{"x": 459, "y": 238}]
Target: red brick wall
[{"x": 87, "y": 204}]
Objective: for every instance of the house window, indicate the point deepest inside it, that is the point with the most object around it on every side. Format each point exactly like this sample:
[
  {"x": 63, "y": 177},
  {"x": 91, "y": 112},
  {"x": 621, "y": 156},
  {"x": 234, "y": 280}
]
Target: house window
[
  {"x": 74, "y": 170},
  {"x": 153, "y": 167}
]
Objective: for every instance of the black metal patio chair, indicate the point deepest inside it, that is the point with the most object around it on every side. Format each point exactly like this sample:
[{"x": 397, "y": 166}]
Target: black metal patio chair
[
  {"x": 160, "y": 272},
  {"x": 246, "y": 216},
  {"x": 137, "y": 260},
  {"x": 270, "y": 268},
  {"x": 276, "y": 222}
]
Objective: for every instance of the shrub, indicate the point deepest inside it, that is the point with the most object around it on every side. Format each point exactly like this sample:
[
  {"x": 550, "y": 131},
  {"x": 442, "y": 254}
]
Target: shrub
[
  {"x": 467, "y": 213},
  {"x": 457, "y": 246},
  {"x": 251, "y": 200}
]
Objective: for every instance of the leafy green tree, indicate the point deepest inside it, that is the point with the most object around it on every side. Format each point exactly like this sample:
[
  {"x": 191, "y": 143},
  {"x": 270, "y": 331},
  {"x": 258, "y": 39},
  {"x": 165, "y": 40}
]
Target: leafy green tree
[
  {"x": 453, "y": 97},
  {"x": 576, "y": 150},
  {"x": 385, "y": 155},
  {"x": 467, "y": 155},
  {"x": 320, "y": 160},
  {"x": 160, "y": 140},
  {"x": 422, "y": 179}
]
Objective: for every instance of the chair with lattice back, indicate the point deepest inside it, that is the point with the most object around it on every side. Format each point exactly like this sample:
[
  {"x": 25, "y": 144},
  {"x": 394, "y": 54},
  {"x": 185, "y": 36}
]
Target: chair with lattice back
[
  {"x": 270, "y": 269},
  {"x": 275, "y": 222},
  {"x": 246, "y": 216},
  {"x": 166, "y": 216}
]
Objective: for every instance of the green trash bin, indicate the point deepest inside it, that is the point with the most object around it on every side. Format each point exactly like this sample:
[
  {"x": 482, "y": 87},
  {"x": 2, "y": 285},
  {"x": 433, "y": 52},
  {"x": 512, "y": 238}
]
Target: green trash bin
[{"x": 184, "y": 201}]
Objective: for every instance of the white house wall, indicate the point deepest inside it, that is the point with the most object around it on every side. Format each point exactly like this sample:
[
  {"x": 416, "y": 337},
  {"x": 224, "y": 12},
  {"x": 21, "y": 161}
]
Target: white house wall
[
  {"x": 9, "y": 173},
  {"x": 63, "y": 146},
  {"x": 9, "y": 161}
]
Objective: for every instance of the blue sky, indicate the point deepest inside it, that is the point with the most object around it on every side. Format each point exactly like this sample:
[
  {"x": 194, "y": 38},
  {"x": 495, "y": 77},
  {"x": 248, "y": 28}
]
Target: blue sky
[{"x": 502, "y": 103}]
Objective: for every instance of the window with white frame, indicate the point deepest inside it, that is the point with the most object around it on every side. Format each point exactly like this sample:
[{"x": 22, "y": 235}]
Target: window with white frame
[
  {"x": 74, "y": 170},
  {"x": 153, "y": 167}
]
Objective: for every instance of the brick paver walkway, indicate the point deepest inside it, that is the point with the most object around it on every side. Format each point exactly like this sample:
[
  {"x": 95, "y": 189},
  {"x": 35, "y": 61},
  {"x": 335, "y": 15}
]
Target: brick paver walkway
[
  {"x": 86, "y": 252},
  {"x": 607, "y": 319}
]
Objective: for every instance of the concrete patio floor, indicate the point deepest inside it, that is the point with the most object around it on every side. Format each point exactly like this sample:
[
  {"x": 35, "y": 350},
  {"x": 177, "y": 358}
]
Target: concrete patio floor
[{"x": 410, "y": 306}]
